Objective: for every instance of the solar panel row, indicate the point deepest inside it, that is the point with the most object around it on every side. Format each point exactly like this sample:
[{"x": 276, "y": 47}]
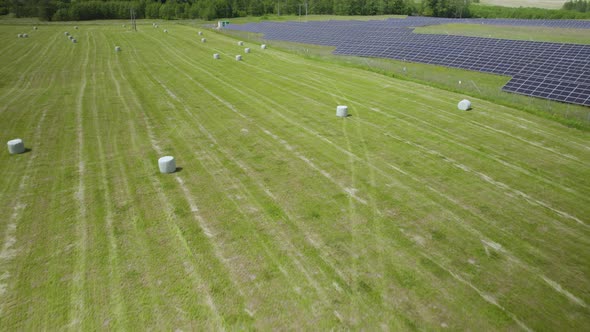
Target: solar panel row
[
  {"x": 550, "y": 89},
  {"x": 563, "y": 70}
]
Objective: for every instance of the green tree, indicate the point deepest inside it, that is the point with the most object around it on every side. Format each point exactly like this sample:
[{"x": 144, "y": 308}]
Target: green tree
[
  {"x": 152, "y": 10},
  {"x": 46, "y": 10},
  {"x": 342, "y": 7},
  {"x": 445, "y": 8}
]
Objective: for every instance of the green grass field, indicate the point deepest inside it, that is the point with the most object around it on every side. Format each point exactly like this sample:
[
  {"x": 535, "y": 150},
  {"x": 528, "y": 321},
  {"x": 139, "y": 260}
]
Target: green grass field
[
  {"x": 482, "y": 85},
  {"x": 407, "y": 215},
  {"x": 539, "y": 34},
  {"x": 549, "y": 4}
]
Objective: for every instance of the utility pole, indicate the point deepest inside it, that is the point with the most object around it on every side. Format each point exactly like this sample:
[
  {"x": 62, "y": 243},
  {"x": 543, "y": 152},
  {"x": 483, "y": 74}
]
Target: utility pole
[
  {"x": 133, "y": 22},
  {"x": 279, "y": 5},
  {"x": 306, "y": 10}
]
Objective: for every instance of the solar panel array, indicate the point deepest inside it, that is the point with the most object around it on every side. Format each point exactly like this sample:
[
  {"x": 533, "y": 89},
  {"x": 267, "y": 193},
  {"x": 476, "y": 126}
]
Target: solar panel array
[{"x": 553, "y": 71}]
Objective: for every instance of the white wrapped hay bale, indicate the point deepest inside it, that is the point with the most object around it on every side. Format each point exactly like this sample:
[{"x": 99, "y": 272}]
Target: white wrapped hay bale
[
  {"x": 263, "y": 46},
  {"x": 200, "y": 33},
  {"x": 66, "y": 33},
  {"x": 203, "y": 40},
  {"x": 16, "y": 146},
  {"x": 117, "y": 48},
  {"x": 241, "y": 43},
  {"x": 216, "y": 56},
  {"x": 25, "y": 35},
  {"x": 20, "y": 35},
  {"x": 238, "y": 58},
  {"x": 70, "y": 37},
  {"x": 74, "y": 40},
  {"x": 34, "y": 28},
  {"x": 165, "y": 30},
  {"x": 167, "y": 164},
  {"x": 464, "y": 105},
  {"x": 342, "y": 111},
  {"x": 247, "y": 50},
  {"x": 76, "y": 27}
]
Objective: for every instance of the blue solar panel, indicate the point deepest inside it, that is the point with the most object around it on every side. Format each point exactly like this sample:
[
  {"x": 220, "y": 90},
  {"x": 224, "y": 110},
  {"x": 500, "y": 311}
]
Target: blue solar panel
[{"x": 553, "y": 71}]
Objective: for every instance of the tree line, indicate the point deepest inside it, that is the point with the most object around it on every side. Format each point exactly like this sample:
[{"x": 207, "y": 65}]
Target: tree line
[
  {"x": 74, "y": 10},
  {"x": 526, "y": 13},
  {"x": 581, "y": 6},
  {"x": 68, "y": 10}
]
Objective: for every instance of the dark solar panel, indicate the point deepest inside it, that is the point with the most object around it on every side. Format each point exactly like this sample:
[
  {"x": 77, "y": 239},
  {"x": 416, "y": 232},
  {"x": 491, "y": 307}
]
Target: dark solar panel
[{"x": 547, "y": 70}]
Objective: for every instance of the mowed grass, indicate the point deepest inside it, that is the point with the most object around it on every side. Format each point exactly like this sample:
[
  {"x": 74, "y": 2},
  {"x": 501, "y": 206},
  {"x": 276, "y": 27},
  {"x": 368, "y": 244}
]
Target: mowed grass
[
  {"x": 549, "y": 4},
  {"x": 306, "y": 18},
  {"x": 482, "y": 85},
  {"x": 538, "y": 34},
  {"x": 409, "y": 214}
]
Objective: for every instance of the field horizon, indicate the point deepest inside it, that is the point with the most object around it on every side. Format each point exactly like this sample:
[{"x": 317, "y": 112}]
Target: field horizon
[
  {"x": 407, "y": 215},
  {"x": 548, "y": 4}
]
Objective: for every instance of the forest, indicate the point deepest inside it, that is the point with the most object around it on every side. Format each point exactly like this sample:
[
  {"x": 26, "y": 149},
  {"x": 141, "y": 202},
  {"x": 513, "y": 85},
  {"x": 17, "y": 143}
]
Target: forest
[{"x": 67, "y": 10}]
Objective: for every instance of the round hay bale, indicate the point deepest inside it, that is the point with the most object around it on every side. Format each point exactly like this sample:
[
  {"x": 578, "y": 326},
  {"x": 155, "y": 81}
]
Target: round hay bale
[
  {"x": 238, "y": 58},
  {"x": 34, "y": 28},
  {"x": 16, "y": 146},
  {"x": 241, "y": 43},
  {"x": 464, "y": 105},
  {"x": 167, "y": 164},
  {"x": 123, "y": 25},
  {"x": 70, "y": 37},
  {"x": 263, "y": 46},
  {"x": 247, "y": 50},
  {"x": 20, "y": 35},
  {"x": 25, "y": 35},
  {"x": 203, "y": 40},
  {"x": 200, "y": 33},
  {"x": 117, "y": 48},
  {"x": 342, "y": 111},
  {"x": 76, "y": 27},
  {"x": 165, "y": 30},
  {"x": 74, "y": 40},
  {"x": 66, "y": 33},
  {"x": 216, "y": 56}
]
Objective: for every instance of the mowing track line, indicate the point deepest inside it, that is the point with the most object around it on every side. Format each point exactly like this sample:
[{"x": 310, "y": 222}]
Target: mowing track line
[
  {"x": 77, "y": 307},
  {"x": 8, "y": 253}
]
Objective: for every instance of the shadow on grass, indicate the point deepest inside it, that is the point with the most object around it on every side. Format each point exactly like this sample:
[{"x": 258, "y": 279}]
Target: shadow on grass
[{"x": 27, "y": 150}]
